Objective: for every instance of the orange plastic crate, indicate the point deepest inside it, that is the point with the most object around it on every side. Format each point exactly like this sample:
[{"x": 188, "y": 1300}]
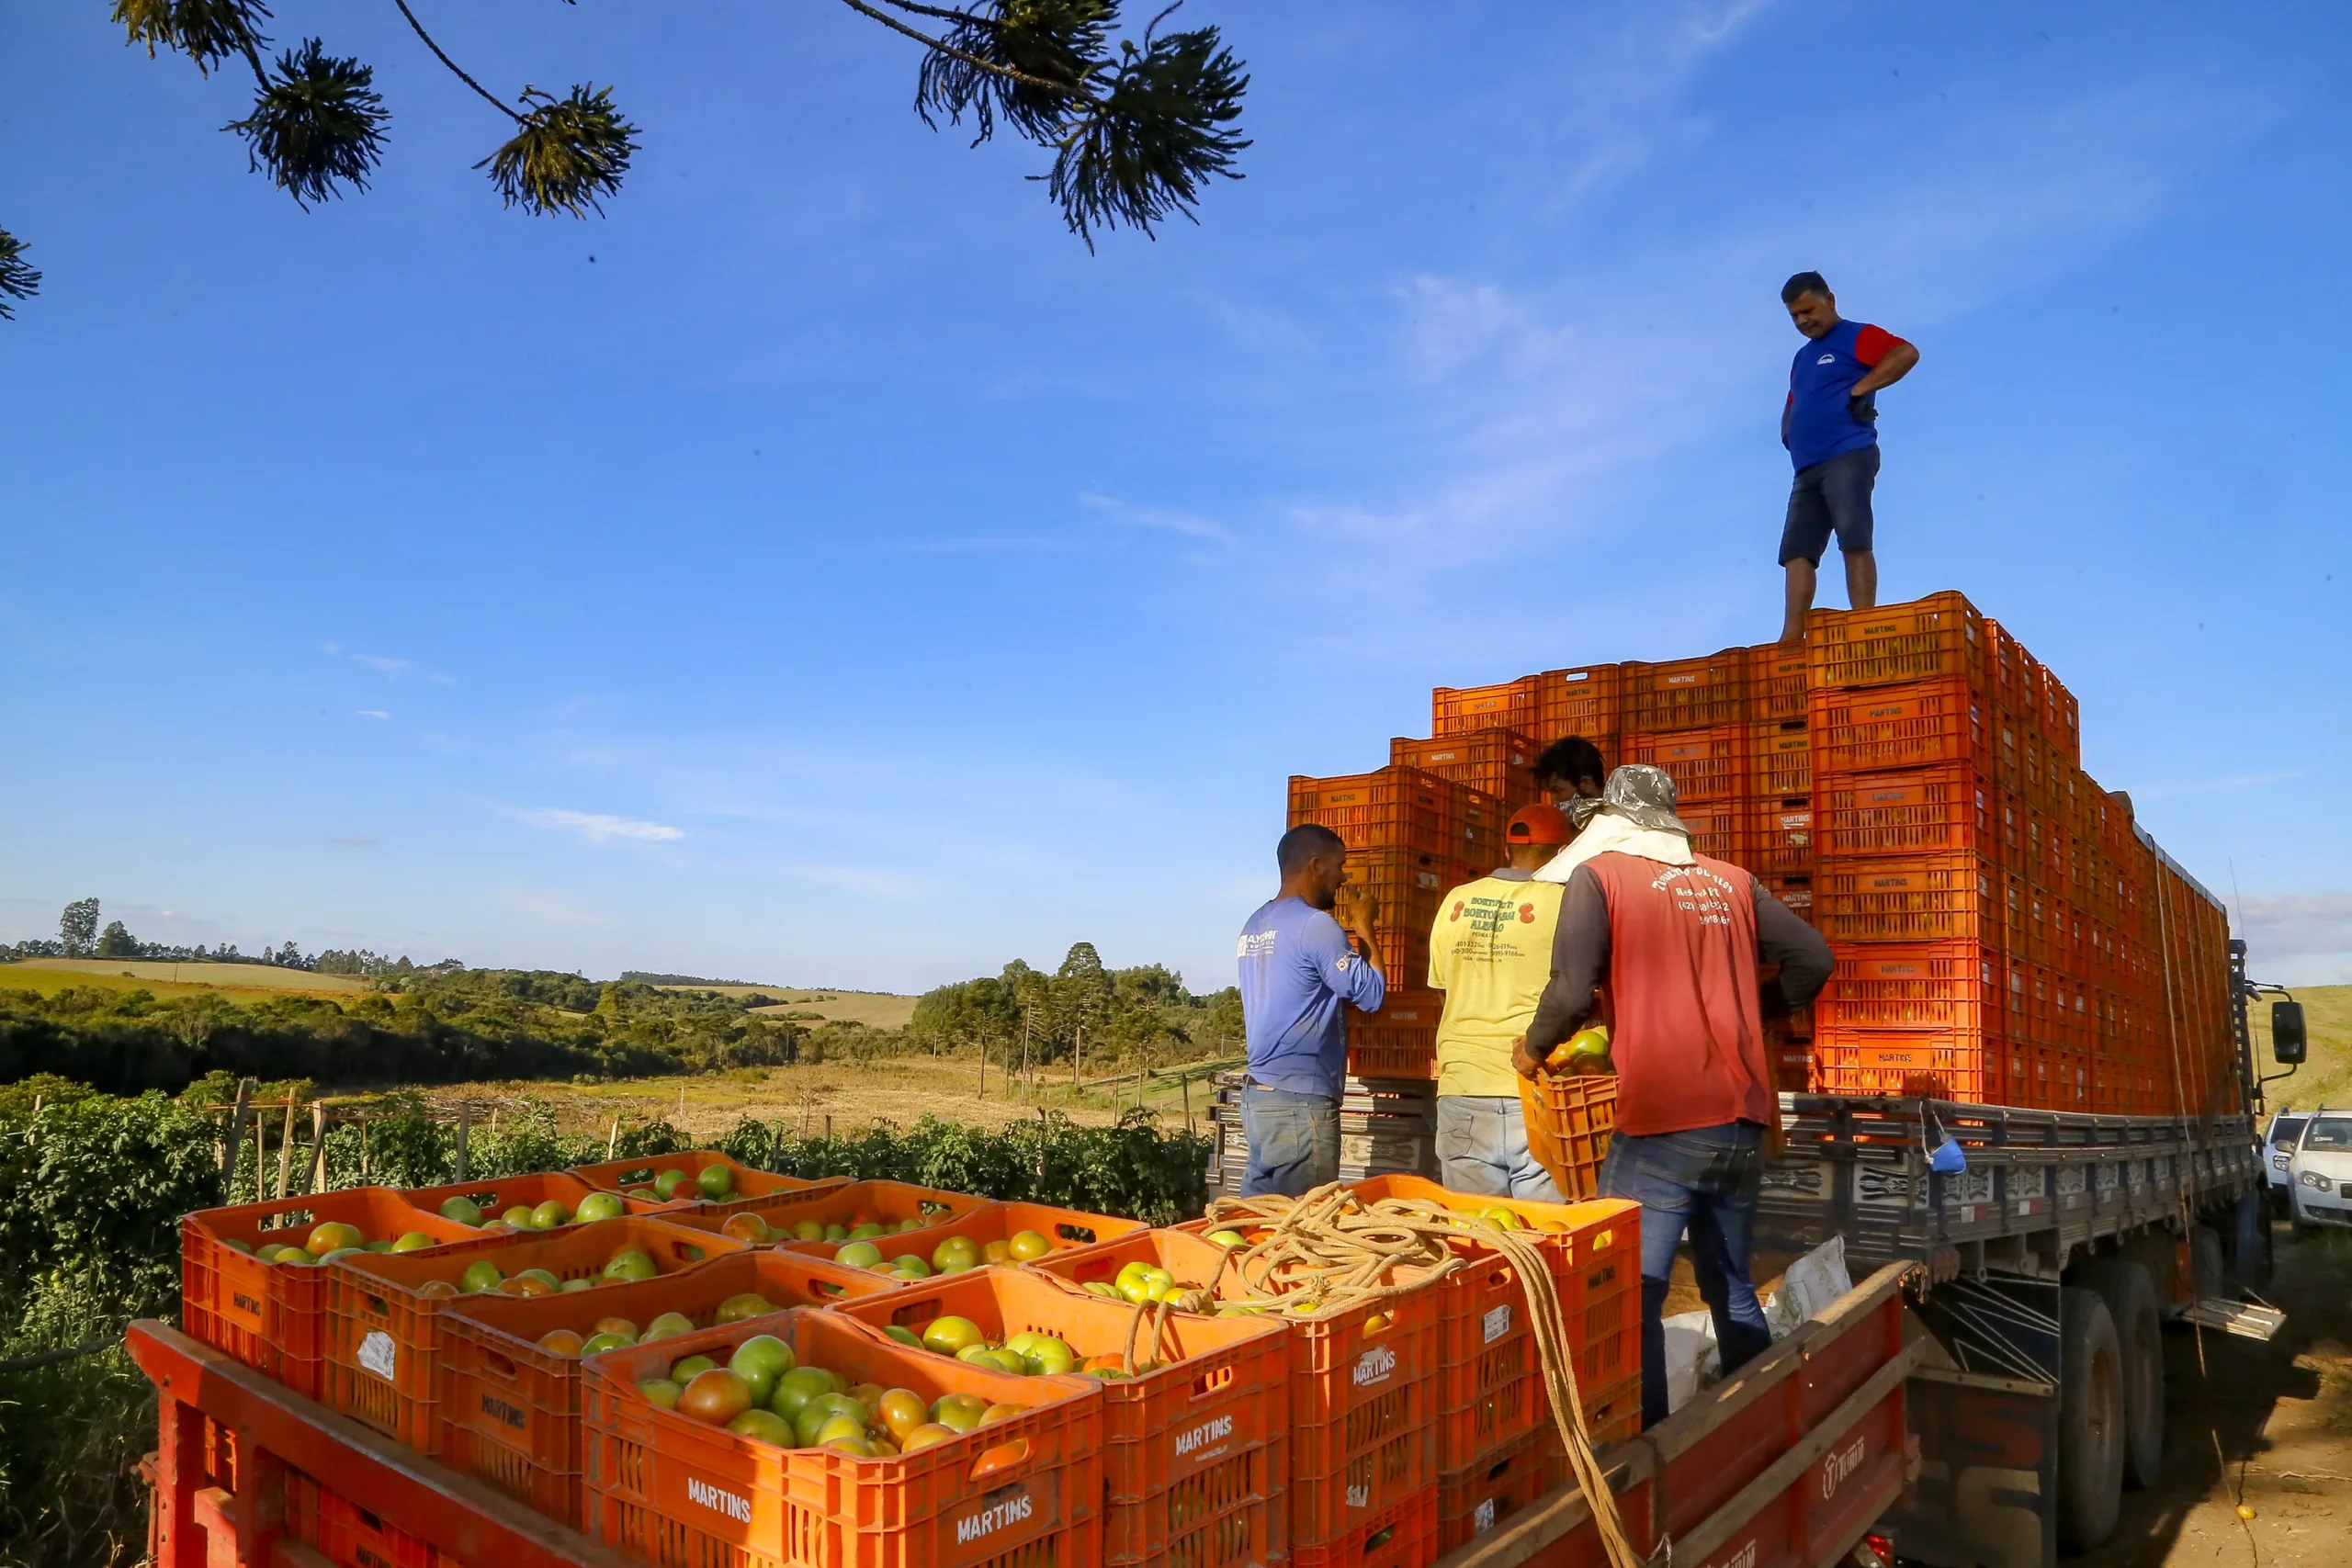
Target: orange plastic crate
[
  {"x": 1580, "y": 1112},
  {"x": 683, "y": 1495},
  {"x": 1686, "y": 693},
  {"x": 1363, "y": 1401},
  {"x": 1231, "y": 1513},
  {"x": 1400, "y": 1040},
  {"x": 890, "y": 1204},
  {"x": 510, "y": 1408},
  {"x": 272, "y": 1316},
  {"x": 1510, "y": 705},
  {"x": 495, "y": 1196},
  {"x": 1946, "y": 897},
  {"x": 1979, "y": 1069},
  {"x": 1777, "y": 837},
  {"x": 1401, "y": 1535},
  {"x": 1489, "y": 1387},
  {"x": 750, "y": 1185},
  {"x": 1705, "y": 764},
  {"x": 1221, "y": 1390},
  {"x": 1914, "y": 723},
  {"x": 1063, "y": 1228},
  {"x": 1780, "y": 760},
  {"x": 1587, "y": 700},
  {"x": 1404, "y": 807},
  {"x": 384, "y": 1333},
  {"x": 1715, "y": 827},
  {"x": 1499, "y": 762},
  {"x": 1907, "y": 812},
  {"x": 350, "y": 1536},
  {"x": 1939, "y": 635},
  {"x": 1945, "y": 986},
  {"x": 1474, "y": 1499},
  {"x": 1777, "y": 684}
]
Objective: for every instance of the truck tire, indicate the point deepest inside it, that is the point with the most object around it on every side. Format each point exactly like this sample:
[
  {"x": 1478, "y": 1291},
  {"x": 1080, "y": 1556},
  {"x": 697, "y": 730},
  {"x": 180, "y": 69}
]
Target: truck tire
[
  {"x": 2206, "y": 1272},
  {"x": 2090, "y": 1420},
  {"x": 2131, "y": 1301}
]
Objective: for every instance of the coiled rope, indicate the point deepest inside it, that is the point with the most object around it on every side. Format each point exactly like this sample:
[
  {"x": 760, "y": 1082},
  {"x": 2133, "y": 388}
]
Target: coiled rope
[{"x": 1328, "y": 1251}]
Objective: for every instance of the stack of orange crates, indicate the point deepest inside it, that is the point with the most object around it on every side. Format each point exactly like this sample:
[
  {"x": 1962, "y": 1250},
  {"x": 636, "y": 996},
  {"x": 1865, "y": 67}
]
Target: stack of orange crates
[
  {"x": 1729, "y": 729},
  {"x": 2002, "y": 930},
  {"x": 1910, "y": 781}
]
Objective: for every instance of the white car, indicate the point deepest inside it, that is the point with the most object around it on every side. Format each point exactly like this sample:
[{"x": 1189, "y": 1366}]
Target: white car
[
  {"x": 2321, "y": 1171},
  {"x": 2279, "y": 1151}
]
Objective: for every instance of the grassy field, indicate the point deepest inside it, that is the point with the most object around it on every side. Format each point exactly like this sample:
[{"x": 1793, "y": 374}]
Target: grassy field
[
  {"x": 901, "y": 1090},
  {"x": 2325, "y": 1076},
  {"x": 237, "y": 982},
  {"x": 876, "y": 1009}
]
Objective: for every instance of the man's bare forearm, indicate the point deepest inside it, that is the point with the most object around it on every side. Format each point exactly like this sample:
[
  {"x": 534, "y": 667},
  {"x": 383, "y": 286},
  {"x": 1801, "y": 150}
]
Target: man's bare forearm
[{"x": 1894, "y": 365}]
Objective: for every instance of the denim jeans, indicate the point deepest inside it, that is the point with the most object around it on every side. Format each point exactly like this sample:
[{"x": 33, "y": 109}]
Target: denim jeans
[
  {"x": 1293, "y": 1141},
  {"x": 1705, "y": 1180},
  {"x": 1482, "y": 1147}
]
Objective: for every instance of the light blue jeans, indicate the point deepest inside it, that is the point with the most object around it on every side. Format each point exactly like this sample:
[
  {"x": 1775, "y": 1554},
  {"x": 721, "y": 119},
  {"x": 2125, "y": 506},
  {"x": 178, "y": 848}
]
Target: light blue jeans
[
  {"x": 1482, "y": 1147},
  {"x": 1293, "y": 1141}
]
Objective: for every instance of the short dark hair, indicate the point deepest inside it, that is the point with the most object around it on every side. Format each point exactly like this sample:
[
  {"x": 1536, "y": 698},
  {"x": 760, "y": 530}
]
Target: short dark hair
[
  {"x": 1303, "y": 843},
  {"x": 1572, "y": 759},
  {"x": 1803, "y": 283}
]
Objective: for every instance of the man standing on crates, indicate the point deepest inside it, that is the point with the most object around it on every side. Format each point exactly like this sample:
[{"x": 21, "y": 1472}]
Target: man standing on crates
[
  {"x": 1490, "y": 952},
  {"x": 1831, "y": 426},
  {"x": 1677, "y": 939},
  {"x": 1299, "y": 967}
]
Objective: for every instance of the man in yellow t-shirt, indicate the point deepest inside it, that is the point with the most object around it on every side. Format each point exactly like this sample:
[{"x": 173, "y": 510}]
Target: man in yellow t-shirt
[{"x": 1490, "y": 952}]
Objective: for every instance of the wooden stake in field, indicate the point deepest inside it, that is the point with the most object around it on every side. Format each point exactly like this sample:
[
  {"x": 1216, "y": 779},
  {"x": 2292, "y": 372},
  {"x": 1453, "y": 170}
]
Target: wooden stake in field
[
  {"x": 1077, "y": 1055},
  {"x": 464, "y": 1130},
  {"x": 984, "y": 1066},
  {"x": 286, "y": 1149},
  {"x": 364, "y": 1172},
  {"x": 237, "y": 1114},
  {"x": 318, "y": 1147},
  {"x": 613, "y": 1140}
]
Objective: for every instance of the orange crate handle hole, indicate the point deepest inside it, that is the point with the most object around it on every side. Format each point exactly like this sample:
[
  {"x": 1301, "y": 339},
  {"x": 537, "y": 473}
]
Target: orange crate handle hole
[{"x": 1004, "y": 1459}]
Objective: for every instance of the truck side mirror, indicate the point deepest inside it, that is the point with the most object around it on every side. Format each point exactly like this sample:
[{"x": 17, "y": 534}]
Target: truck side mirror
[{"x": 2286, "y": 1033}]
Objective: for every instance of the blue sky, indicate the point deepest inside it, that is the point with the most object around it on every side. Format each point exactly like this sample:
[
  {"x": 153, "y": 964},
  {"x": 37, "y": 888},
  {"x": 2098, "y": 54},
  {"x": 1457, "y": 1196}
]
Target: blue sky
[{"x": 845, "y": 578}]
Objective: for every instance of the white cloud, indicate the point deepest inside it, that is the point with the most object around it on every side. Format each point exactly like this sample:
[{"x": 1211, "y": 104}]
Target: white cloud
[
  {"x": 1130, "y": 516},
  {"x": 2289, "y": 925},
  {"x": 371, "y": 712},
  {"x": 601, "y": 827}
]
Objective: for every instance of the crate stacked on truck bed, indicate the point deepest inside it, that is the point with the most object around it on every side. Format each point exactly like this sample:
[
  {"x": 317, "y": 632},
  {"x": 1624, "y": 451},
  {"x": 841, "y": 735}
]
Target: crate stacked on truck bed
[
  {"x": 1911, "y": 781},
  {"x": 1729, "y": 727},
  {"x": 2004, "y": 932}
]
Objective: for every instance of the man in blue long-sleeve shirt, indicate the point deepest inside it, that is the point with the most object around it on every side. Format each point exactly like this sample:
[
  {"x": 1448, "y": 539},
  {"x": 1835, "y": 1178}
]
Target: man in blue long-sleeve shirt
[{"x": 1298, "y": 968}]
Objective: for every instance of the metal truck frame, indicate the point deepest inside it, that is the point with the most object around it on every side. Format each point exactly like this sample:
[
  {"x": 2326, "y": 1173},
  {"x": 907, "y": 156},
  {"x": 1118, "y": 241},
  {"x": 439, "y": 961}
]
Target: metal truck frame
[{"x": 2035, "y": 1282}]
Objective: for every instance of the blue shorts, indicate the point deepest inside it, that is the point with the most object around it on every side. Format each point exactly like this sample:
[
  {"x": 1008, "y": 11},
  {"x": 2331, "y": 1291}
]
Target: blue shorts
[{"x": 1831, "y": 497}]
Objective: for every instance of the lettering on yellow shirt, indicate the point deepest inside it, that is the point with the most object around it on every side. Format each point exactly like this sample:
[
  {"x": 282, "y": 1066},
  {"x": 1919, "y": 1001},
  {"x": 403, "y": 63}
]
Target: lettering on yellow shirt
[{"x": 1490, "y": 952}]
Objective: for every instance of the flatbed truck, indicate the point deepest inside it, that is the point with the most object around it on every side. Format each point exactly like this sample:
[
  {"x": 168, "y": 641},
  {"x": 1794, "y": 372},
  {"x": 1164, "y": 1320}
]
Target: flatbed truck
[{"x": 2032, "y": 1286}]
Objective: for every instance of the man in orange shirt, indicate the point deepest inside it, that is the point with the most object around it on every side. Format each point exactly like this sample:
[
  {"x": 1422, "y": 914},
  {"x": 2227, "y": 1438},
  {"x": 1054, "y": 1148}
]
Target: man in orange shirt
[{"x": 1678, "y": 938}]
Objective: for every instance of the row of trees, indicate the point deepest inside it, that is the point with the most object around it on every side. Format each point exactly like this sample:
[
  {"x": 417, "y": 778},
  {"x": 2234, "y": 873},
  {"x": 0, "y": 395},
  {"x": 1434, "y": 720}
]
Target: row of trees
[
  {"x": 452, "y": 1026},
  {"x": 78, "y": 936},
  {"x": 1143, "y": 1013}
]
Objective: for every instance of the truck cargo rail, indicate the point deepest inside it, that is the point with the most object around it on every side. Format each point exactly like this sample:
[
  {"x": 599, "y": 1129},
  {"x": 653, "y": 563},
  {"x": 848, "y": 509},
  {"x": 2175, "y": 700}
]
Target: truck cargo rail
[{"x": 1790, "y": 1459}]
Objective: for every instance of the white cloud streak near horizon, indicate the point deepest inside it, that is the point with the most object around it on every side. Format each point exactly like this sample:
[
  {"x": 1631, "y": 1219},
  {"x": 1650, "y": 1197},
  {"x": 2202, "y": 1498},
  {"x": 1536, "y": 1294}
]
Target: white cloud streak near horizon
[{"x": 601, "y": 827}]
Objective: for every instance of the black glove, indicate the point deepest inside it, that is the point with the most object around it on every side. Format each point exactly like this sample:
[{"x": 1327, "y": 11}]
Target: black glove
[{"x": 1861, "y": 409}]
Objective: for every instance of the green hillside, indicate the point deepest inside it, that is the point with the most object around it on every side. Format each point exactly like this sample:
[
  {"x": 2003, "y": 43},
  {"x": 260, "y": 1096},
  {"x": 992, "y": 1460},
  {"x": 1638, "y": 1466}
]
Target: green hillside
[{"x": 2325, "y": 1077}]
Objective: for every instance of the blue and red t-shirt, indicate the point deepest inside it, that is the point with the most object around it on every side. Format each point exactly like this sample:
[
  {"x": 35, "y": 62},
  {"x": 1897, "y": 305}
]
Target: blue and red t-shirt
[{"x": 1816, "y": 425}]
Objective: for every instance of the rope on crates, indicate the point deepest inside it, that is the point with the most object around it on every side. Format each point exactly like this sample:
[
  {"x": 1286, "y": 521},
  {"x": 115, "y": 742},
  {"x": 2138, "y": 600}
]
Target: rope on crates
[{"x": 1328, "y": 1251}]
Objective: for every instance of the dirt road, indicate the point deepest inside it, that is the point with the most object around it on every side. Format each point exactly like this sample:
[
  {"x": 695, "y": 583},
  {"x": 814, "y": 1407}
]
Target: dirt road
[{"x": 2266, "y": 1426}]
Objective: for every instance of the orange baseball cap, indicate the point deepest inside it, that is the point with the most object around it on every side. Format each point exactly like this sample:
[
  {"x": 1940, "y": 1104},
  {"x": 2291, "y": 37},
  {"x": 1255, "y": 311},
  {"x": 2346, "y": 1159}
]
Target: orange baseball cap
[{"x": 1539, "y": 824}]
